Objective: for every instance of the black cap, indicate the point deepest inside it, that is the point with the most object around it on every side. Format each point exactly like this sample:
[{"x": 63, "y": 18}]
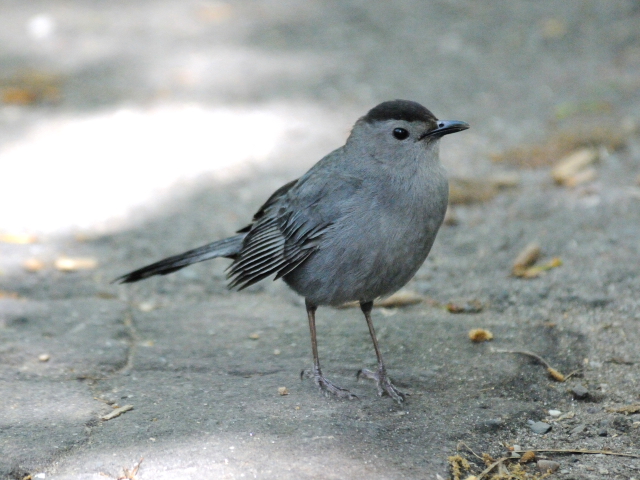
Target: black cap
[{"x": 399, "y": 110}]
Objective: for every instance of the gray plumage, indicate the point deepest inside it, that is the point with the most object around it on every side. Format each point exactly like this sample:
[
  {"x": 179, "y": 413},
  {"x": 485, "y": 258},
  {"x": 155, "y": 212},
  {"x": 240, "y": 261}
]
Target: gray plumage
[{"x": 355, "y": 227}]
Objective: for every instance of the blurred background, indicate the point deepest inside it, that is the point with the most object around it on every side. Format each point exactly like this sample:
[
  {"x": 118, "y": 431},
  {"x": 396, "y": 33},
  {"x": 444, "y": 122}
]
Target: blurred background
[{"x": 112, "y": 108}]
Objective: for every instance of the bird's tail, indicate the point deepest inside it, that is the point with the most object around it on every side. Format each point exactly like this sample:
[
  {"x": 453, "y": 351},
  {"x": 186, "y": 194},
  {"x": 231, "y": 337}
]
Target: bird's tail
[{"x": 228, "y": 247}]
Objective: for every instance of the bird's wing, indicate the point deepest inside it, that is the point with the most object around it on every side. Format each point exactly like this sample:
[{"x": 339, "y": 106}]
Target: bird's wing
[
  {"x": 270, "y": 201},
  {"x": 289, "y": 226}
]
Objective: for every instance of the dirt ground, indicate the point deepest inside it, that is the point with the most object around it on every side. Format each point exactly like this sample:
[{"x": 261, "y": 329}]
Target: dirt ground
[{"x": 130, "y": 131}]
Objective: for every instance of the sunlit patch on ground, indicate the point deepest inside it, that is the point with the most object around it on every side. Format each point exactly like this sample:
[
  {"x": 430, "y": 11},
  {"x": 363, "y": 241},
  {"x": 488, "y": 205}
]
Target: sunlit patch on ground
[{"x": 89, "y": 172}]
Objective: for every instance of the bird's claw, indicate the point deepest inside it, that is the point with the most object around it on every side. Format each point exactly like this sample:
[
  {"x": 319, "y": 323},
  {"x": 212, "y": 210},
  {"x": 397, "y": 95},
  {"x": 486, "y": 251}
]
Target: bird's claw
[
  {"x": 326, "y": 386},
  {"x": 383, "y": 383}
]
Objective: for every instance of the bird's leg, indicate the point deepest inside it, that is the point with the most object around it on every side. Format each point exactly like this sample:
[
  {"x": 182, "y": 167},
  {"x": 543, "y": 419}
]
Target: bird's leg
[
  {"x": 380, "y": 377},
  {"x": 319, "y": 379}
]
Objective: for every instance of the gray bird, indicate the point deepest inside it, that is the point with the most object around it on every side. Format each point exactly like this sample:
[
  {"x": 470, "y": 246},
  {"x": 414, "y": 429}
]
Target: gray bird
[{"x": 355, "y": 227}]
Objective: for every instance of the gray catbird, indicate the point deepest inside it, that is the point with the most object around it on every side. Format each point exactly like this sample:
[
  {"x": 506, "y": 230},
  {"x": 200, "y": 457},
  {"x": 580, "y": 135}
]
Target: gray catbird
[{"x": 357, "y": 226}]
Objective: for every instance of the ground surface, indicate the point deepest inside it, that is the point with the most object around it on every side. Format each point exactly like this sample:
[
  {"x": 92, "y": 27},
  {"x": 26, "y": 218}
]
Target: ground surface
[{"x": 130, "y": 132}]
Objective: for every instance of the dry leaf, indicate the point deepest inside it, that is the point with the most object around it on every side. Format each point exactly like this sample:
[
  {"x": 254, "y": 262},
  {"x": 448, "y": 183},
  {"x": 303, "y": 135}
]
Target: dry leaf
[
  {"x": 528, "y": 457},
  {"x": 402, "y": 298},
  {"x": 565, "y": 171},
  {"x": 581, "y": 177},
  {"x": 116, "y": 412},
  {"x": 537, "y": 270},
  {"x": 480, "y": 335},
  {"x": 527, "y": 257},
  {"x": 18, "y": 96},
  {"x": 473, "y": 306},
  {"x": 458, "y": 465},
  {"x": 66, "y": 264}
]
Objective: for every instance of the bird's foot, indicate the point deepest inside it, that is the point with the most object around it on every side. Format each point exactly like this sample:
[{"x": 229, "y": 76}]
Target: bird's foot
[
  {"x": 325, "y": 385},
  {"x": 383, "y": 383}
]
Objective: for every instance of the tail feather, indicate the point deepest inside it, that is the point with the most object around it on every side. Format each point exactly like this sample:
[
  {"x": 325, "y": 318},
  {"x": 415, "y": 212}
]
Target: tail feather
[{"x": 228, "y": 247}]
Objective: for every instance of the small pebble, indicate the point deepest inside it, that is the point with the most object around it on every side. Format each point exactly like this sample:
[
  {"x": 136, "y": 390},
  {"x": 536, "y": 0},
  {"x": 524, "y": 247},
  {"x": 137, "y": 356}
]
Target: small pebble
[
  {"x": 602, "y": 432},
  {"x": 540, "y": 428},
  {"x": 283, "y": 391},
  {"x": 44, "y": 357},
  {"x": 277, "y": 351},
  {"x": 254, "y": 336},
  {"x": 146, "y": 306},
  {"x": 579, "y": 429},
  {"x": 548, "y": 466},
  {"x": 555, "y": 413},
  {"x": 580, "y": 392}
]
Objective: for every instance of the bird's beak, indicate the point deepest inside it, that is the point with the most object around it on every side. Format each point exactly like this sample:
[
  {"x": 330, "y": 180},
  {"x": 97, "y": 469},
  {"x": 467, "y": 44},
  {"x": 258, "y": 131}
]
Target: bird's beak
[{"x": 445, "y": 127}]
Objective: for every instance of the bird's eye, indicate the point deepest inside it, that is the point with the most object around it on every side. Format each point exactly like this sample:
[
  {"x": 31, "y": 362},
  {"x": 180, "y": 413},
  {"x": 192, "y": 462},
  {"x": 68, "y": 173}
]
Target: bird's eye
[{"x": 400, "y": 133}]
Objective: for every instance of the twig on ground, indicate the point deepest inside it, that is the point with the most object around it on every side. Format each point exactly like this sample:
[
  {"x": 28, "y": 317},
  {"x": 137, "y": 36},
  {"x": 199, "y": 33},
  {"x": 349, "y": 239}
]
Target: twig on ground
[
  {"x": 116, "y": 413},
  {"x": 131, "y": 474},
  {"x": 500, "y": 461},
  {"x": 555, "y": 374},
  {"x": 578, "y": 450},
  {"x": 462, "y": 444}
]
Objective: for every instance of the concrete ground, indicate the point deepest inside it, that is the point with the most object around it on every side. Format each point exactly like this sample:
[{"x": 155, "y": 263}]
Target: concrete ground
[{"x": 133, "y": 131}]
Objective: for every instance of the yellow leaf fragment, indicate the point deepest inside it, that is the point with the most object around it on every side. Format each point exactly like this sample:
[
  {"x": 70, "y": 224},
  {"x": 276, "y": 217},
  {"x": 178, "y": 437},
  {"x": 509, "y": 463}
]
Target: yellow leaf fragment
[
  {"x": 537, "y": 270},
  {"x": 480, "y": 335},
  {"x": 527, "y": 457}
]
